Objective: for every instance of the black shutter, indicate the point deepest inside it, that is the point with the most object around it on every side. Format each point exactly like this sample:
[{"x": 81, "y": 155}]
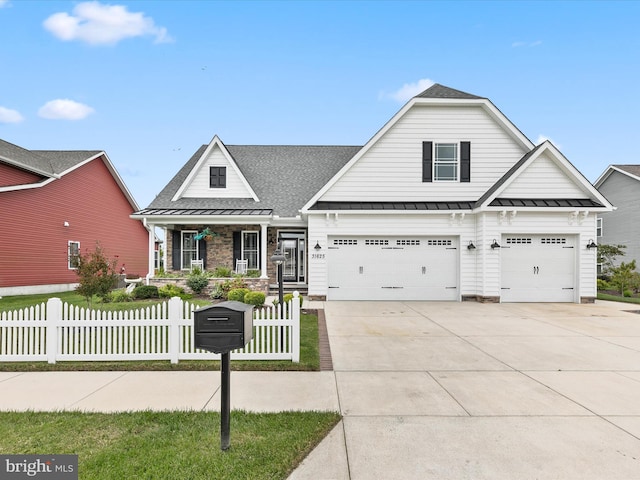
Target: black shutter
[
  {"x": 202, "y": 251},
  {"x": 175, "y": 250},
  {"x": 427, "y": 155},
  {"x": 465, "y": 161},
  {"x": 237, "y": 248}
]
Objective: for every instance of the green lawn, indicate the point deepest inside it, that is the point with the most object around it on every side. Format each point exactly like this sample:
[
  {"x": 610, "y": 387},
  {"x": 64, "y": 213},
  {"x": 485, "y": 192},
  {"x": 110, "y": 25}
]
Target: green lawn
[{"x": 169, "y": 445}]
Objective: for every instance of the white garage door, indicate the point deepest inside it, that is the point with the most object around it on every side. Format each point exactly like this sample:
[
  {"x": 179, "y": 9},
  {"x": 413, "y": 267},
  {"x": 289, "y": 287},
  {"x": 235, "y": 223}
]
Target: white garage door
[
  {"x": 538, "y": 268},
  {"x": 393, "y": 268}
]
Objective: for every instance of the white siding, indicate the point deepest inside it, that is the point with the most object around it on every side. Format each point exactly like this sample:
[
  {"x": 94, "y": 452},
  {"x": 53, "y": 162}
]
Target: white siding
[
  {"x": 480, "y": 269},
  {"x": 392, "y": 168},
  {"x": 199, "y": 186},
  {"x": 543, "y": 179}
]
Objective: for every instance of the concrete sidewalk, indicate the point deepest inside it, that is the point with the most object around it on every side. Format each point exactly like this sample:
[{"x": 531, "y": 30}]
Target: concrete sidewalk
[{"x": 427, "y": 391}]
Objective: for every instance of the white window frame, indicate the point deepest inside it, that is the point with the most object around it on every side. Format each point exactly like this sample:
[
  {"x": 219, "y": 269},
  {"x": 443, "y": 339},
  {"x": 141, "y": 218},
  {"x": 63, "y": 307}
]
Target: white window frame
[
  {"x": 446, "y": 162},
  {"x": 70, "y": 256},
  {"x": 599, "y": 224},
  {"x": 244, "y": 250},
  {"x": 182, "y": 249}
]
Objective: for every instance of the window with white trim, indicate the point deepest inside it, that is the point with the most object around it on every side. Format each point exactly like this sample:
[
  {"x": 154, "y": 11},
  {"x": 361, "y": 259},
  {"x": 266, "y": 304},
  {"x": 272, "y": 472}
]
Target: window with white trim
[
  {"x": 73, "y": 254},
  {"x": 189, "y": 248},
  {"x": 599, "y": 227},
  {"x": 250, "y": 249},
  {"x": 445, "y": 162}
]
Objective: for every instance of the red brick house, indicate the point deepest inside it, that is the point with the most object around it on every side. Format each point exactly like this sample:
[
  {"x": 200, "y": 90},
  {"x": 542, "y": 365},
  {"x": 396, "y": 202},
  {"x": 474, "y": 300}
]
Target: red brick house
[{"x": 55, "y": 204}]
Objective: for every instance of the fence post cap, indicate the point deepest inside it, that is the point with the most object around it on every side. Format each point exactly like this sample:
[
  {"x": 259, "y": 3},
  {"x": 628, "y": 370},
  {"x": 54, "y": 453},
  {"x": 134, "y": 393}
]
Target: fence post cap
[{"x": 296, "y": 294}]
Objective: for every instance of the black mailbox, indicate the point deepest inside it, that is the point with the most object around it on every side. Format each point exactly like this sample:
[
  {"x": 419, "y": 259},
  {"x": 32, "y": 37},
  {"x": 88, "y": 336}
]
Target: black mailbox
[{"x": 223, "y": 327}]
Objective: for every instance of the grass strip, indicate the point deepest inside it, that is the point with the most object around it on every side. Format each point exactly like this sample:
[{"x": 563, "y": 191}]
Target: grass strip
[{"x": 169, "y": 445}]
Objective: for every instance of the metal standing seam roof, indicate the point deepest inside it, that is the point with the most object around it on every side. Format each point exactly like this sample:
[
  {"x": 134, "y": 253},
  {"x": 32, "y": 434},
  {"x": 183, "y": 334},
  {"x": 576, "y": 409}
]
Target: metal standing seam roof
[{"x": 203, "y": 212}]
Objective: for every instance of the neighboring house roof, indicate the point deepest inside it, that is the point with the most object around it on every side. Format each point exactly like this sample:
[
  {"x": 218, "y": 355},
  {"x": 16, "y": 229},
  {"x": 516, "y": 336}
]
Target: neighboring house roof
[
  {"x": 53, "y": 164},
  {"x": 631, "y": 171},
  {"x": 284, "y": 178},
  {"x": 25, "y": 159}
]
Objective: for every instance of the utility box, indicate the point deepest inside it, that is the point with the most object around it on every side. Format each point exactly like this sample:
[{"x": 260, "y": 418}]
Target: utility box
[{"x": 223, "y": 327}]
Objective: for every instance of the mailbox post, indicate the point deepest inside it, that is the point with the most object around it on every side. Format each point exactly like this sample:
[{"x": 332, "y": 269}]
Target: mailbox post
[{"x": 219, "y": 329}]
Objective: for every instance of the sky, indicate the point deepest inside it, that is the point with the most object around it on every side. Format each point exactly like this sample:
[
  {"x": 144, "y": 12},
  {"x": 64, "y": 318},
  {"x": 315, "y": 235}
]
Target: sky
[{"x": 149, "y": 82}]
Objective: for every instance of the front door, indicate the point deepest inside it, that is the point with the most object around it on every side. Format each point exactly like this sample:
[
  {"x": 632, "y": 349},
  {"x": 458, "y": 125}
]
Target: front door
[{"x": 293, "y": 249}]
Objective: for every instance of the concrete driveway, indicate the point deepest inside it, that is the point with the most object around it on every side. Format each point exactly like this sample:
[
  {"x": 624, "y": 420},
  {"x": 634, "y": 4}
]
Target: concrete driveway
[{"x": 482, "y": 391}]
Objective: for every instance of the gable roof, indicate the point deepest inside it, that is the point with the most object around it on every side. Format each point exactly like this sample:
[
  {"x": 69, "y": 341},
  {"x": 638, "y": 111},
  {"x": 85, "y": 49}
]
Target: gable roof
[
  {"x": 631, "y": 171},
  {"x": 491, "y": 198},
  {"x": 54, "y": 164},
  {"x": 283, "y": 178},
  {"x": 435, "y": 95}
]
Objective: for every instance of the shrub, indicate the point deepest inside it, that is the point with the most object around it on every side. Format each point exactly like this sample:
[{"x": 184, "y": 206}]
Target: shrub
[
  {"x": 171, "y": 290},
  {"x": 229, "y": 285},
  {"x": 145, "y": 291},
  {"x": 253, "y": 274},
  {"x": 289, "y": 296},
  {"x": 237, "y": 294},
  {"x": 254, "y": 298},
  {"x": 222, "y": 272},
  {"x": 119, "y": 296},
  {"x": 627, "y": 293},
  {"x": 216, "y": 291},
  {"x": 604, "y": 285},
  {"x": 197, "y": 282}
]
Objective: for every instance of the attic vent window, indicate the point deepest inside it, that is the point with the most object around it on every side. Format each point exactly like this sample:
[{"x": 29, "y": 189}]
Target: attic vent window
[{"x": 217, "y": 177}]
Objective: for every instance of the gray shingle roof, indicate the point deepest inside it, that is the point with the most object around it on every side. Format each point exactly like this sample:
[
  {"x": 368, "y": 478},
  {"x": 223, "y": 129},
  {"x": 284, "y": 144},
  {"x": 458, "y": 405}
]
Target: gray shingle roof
[
  {"x": 284, "y": 177},
  {"x": 440, "y": 91},
  {"x": 44, "y": 162},
  {"x": 632, "y": 169}
]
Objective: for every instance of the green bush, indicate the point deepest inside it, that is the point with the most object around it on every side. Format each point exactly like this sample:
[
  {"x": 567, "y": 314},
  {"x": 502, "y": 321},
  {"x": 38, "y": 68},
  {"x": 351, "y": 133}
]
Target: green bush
[
  {"x": 289, "y": 296},
  {"x": 145, "y": 291},
  {"x": 171, "y": 290},
  {"x": 627, "y": 293},
  {"x": 231, "y": 284},
  {"x": 197, "y": 281},
  {"x": 216, "y": 291},
  {"x": 253, "y": 274},
  {"x": 237, "y": 294},
  {"x": 254, "y": 298},
  {"x": 222, "y": 272},
  {"x": 119, "y": 296},
  {"x": 604, "y": 285}
]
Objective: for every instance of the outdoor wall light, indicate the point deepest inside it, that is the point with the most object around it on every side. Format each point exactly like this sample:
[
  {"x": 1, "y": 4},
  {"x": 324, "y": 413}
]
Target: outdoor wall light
[
  {"x": 495, "y": 245},
  {"x": 317, "y": 247},
  {"x": 591, "y": 244},
  {"x": 471, "y": 246}
]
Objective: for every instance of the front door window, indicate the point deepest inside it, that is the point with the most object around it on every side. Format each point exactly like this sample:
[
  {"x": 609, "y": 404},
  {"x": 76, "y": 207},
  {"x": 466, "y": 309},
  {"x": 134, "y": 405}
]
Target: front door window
[{"x": 293, "y": 249}]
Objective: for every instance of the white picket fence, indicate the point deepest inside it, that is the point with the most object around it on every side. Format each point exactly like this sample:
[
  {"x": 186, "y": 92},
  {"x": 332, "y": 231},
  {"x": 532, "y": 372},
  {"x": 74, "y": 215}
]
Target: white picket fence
[{"x": 56, "y": 331}]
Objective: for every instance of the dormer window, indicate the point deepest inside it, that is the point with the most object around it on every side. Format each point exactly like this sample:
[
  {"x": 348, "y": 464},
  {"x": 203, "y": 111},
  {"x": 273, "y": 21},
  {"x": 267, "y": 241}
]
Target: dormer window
[
  {"x": 446, "y": 162},
  {"x": 217, "y": 177}
]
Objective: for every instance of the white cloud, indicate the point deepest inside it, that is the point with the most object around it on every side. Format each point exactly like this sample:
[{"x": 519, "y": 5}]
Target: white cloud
[
  {"x": 99, "y": 24},
  {"x": 409, "y": 90},
  {"x": 10, "y": 116},
  {"x": 544, "y": 138},
  {"x": 64, "y": 109},
  {"x": 4, "y": 3},
  {"x": 526, "y": 44}
]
